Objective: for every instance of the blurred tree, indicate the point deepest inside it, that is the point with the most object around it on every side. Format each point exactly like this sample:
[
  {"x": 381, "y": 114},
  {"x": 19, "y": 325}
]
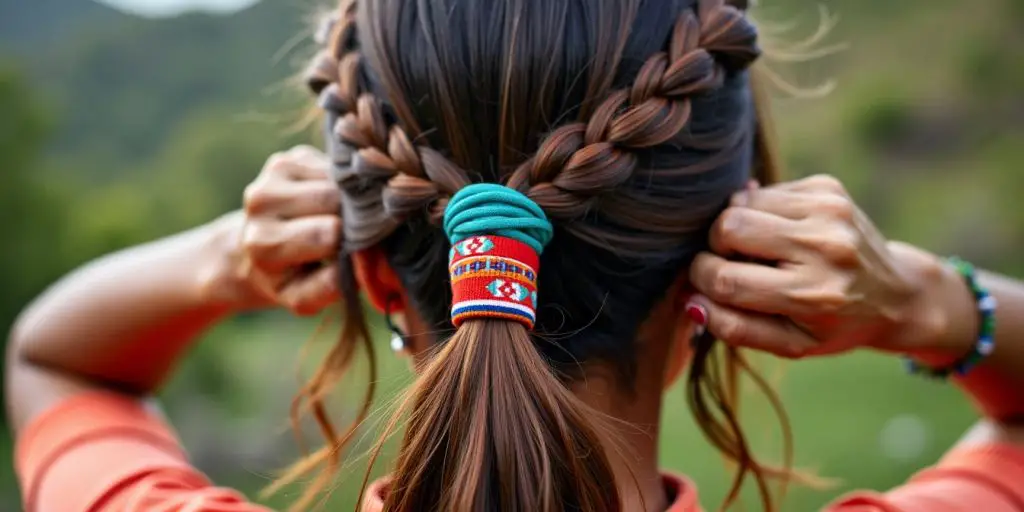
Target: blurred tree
[
  {"x": 125, "y": 86},
  {"x": 207, "y": 162},
  {"x": 32, "y": 211}
]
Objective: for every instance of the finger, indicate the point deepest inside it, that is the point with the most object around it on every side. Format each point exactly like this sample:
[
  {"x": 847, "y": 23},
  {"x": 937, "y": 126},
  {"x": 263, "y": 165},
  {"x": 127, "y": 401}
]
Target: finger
[
  {"x": 299, "y": 164},
  {"x": 316, "y": 164},
  {"x": 784, "y": 203},
  {"x": 291, "y": 199},
  {"x": 819, "y": 183},
  {"x": 277, "y": 245},
  {"x": 310, "y": 293},
  {"x": 757, "y": 287},
  {"x": 755, "y": 234},
  {"x": 773, "y": 334}
]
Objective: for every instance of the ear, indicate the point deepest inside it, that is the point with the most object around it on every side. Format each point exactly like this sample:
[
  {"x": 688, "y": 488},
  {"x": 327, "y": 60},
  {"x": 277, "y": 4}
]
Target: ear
[
  {"x": 378, "y": 280},
  {"x": 682, "y": 332}
]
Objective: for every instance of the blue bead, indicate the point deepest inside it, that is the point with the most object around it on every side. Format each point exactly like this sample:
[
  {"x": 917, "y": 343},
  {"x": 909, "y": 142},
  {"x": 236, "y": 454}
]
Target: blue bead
[
  {"x": 987, "y": 304},
  {"x": 911, "y": 366},
  {"x": 985, "y": 346}
]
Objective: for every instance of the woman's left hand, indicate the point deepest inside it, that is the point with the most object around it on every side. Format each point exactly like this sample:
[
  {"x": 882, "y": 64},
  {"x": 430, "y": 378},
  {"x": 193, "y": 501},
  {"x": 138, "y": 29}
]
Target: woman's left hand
[
  {"x": 828, "y": 281},
  {"x": 279, "y": 249}
]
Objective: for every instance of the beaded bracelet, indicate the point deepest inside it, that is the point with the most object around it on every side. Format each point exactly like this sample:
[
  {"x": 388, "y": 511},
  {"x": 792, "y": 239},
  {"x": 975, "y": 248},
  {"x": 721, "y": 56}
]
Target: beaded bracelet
[{"x": 985, "y": 344}]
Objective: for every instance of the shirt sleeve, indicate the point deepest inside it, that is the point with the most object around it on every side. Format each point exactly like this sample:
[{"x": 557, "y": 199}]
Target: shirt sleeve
[
  {"x": 103, "y": 452},
  {"x": 987, "y": 478}
]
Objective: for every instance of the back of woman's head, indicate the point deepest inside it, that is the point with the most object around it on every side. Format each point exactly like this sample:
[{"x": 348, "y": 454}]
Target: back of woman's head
[{"x": 628, "y": 122}]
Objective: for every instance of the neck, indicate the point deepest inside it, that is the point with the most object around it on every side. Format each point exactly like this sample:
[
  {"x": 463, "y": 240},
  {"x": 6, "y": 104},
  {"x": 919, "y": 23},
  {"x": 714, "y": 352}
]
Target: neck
[{"x": 632, "y": 440}]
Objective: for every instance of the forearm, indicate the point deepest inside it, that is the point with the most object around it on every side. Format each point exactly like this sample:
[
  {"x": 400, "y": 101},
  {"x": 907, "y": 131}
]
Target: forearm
[{"x": 119, "y": 322}]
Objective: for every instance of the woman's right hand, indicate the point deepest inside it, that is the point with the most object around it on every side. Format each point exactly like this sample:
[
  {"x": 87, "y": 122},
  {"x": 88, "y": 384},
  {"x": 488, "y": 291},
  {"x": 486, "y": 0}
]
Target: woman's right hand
[
  {"x": 834, "y": 283},
  {"x": 280, "y": 249}
]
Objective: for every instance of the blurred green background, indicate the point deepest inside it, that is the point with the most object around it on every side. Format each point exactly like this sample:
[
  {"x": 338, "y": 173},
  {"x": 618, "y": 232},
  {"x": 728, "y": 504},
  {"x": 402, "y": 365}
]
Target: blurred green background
[{"x": 115, "y": 129}]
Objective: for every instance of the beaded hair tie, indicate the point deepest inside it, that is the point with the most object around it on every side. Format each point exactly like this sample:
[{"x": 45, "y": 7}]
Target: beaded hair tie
[{"x": 497, "y": 235}]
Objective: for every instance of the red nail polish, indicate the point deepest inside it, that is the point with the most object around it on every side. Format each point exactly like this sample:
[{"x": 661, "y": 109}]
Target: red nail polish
[{"x": 697, "y": 313}]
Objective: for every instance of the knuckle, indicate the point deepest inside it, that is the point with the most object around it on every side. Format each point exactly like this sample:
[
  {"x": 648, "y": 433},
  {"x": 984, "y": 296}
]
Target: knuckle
[
  {"x": 250, "y": 238},
  {"x": 325, "y": 234},
  {"x": 293, "y": 303},
  {"x": 741, "y": 198},
  {"x": 723, "y": 284},
  {"x": 276, "y": 162},
  {"x": 255, "y": 199},
  {"x": 308, "y": 155},
  {"x": 328, "y": 198},
  {"x": 838, "y": 207},
  {"x": 734, "y": 331},
  {"x": 332, "y": 281},
  {"x": 827, "y": 298},
  {"x": 827, "y": 183},
  {"x": 832, "y": 297},
  {"x": 700, "y": 269},
  {"x": 729, "y": 224},
  {"x": 841, "y": 247},
  {"x": 334, "y": 229},
  {"x": 256, "y": 241}
]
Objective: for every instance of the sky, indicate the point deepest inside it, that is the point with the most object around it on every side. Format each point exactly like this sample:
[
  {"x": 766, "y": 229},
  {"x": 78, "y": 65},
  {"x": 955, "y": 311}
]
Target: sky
[{"x": 168, "y": 7}]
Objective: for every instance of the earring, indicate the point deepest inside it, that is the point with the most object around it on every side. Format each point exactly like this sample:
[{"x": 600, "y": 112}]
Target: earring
[
  {"x": 398, "y": 338},
  {"x": 397, "y": 343}
]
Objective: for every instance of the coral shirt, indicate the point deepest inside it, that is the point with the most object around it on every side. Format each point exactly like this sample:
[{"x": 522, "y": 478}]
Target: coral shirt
[{"x": 101, "y": 452}]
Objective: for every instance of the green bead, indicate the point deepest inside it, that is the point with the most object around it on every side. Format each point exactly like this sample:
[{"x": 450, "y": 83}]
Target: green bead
[{"x": 988, "y": 325}]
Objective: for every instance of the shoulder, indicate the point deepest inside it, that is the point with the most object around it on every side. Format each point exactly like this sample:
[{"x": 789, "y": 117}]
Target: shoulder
[
  {"x": 101, "y": 452},
  {"x": 982, "y": 477}
]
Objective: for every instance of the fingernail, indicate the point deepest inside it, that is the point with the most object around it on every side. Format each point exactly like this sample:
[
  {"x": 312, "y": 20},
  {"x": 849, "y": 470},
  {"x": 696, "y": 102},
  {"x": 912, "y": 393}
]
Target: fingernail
[
  {"x": 740, "y": 199},
  {"x": 753, "y": 185},
  {"x": 698, "y": 313}
]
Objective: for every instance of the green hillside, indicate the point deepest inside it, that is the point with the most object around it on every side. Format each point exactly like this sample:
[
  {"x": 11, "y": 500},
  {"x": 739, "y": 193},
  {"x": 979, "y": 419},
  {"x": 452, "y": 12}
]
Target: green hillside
[
  {"x": 26, "y": 27},
  {"x": 121, "y": 88}
]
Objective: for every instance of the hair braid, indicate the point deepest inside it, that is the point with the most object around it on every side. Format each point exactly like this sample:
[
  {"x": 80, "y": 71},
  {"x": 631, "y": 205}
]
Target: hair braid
[
  {"x": 370, "y": 152},
  {"x": 333, "y": 75},
  {"x": 578, "y": 163}
]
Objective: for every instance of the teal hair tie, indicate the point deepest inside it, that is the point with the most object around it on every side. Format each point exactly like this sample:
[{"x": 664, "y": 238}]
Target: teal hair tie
[{"x": 491, "y": 209}]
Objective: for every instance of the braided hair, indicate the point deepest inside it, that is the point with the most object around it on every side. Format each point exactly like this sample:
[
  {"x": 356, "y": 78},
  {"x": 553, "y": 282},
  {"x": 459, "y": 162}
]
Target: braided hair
[{"x": 630, "y": 124}]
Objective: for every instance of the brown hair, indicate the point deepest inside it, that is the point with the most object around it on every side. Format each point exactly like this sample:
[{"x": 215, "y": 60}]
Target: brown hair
[{"x": 664, "y": 130}]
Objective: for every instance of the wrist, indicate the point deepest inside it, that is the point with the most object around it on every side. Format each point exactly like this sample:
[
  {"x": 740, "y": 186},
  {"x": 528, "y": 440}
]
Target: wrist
[
  {"x": 218, "y": 282},
  {"x": 941, "y": 321}
]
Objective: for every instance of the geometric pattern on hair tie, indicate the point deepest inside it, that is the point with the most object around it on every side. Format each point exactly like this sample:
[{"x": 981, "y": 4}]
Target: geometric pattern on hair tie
[
  {"x": 474, "y": 245},
  {"x": 493, "y": 277}
]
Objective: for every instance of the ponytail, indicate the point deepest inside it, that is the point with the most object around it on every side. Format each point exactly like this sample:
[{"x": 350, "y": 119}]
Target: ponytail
[{"x": 490, "y": 426}]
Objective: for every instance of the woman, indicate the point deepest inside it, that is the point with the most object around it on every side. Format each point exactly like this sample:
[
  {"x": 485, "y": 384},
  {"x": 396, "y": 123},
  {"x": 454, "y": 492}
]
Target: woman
[{"x": 473, "y": 144}]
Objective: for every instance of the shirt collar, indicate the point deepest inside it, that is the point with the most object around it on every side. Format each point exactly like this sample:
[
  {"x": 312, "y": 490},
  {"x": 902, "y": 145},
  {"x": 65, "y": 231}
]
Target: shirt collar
[{"x": 680, "y": 488}]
